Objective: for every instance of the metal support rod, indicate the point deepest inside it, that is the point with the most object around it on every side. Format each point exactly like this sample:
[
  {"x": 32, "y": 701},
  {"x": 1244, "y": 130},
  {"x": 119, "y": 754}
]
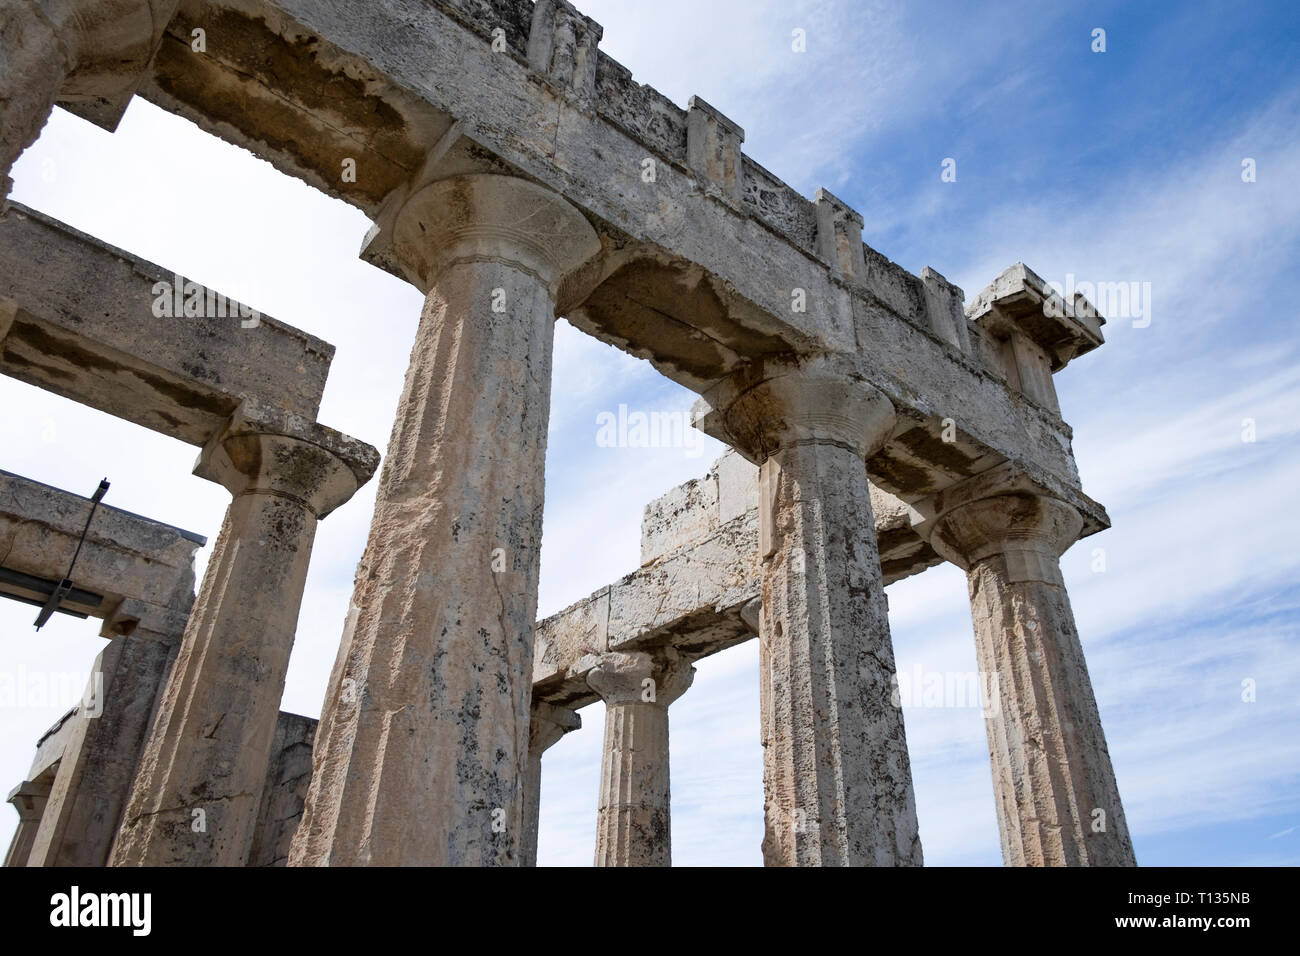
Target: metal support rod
[{"x": 65, "y": 586}]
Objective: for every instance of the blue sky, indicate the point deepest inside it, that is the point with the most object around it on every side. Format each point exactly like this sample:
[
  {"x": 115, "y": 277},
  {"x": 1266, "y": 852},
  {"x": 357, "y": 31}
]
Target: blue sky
[{"x": 1115, "y": 166}]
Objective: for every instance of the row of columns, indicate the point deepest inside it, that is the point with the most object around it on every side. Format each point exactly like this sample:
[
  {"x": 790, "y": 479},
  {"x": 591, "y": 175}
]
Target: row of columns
[
  {"x": 1056, "y": 797},
  {"x": 426, "y": 747},
  {"x": 837, "y": 783},
  {"x": 425, "y": 741}
]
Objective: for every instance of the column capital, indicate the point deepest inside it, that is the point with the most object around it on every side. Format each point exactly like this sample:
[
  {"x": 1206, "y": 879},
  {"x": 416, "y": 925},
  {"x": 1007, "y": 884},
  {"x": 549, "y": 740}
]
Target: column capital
[
  {"x": 490, "y": 217},
  {"x": 271, "y": 451},
  {"x": 641, "y": 678},
  {"x": 1031, "y": 531},
  {"x": 772, "y": 405},
  {"x": 29, "y": 797},
  {"x": 548, "y": 724}
]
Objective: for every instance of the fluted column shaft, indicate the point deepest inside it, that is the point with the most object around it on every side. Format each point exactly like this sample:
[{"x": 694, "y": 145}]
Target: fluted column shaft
[
  {"x": 634, "y": 820},
  {"x": 423, "y": 747},
  {"x": 1057, "y": 800},
  {"x": 837, "y": 779},
  {"x": 199, "y": 784},
  {"x": 549, "y": 723}
]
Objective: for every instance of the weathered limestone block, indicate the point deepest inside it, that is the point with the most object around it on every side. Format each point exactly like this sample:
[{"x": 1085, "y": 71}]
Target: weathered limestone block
[
  {"x": 681, "y": 517},
  {"x": 287, "y": 778},
  {"x": 142, "y": 571},
  {"x": 1029, "y": 331},
  {"x": 199, "y": 786},
  {"x": 85, "y": 328},
  {"x": 423, "y": 744},
  {"x": 88, "y": 54},
  {"x": 29, "y": 799},
  {"x": 634, "y": 826},
  {"x": 562, "y": 46},
  {"x": 944, "y": 308},
  {"x": 837, "y": 779},
  {"x": 1057, "y": 800},
  {"x": 548, "y": 724},
  {"x": 579, "y": 631},
  {"x": 718, "y": 573},
  {"x": 839, "y": 236},
  {"x": 689, "y": 513},
  {"x": 713, "y": 148}
]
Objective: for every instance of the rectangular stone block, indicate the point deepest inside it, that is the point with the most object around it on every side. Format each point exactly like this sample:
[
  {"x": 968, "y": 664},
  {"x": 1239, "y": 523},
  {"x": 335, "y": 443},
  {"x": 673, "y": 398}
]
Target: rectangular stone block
[{"x": 87, "y": 326}]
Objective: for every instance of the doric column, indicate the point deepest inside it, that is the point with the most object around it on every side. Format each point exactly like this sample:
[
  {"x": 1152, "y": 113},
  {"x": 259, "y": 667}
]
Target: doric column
[
  {"x": 77, "y": 51},
  {"x": 199, "y": 784},
  {"x": 104, "y": 745},
  {"x": 423, "y": 743},
  {"x": 549, "y": 723},
  {"x": 29, "y": 799},
  {"x": 1057, "y": 801},
  {"x": 837, "y": 779},
  {"x": 634, "y": 822}
]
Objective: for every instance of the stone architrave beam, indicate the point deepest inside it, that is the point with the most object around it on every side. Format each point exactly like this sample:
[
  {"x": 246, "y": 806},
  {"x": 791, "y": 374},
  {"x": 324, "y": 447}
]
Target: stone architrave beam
[
  {"x": 707, "y": 265},
  {"x": 84, "y": 326},
  {"x": 699, "y": 569}
]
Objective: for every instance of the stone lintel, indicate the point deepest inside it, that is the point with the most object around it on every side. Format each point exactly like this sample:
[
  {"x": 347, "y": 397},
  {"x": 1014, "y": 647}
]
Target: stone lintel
[
  {"x": 699, "y": 575},
  {"x": 232, "y": 456},
  {"x": 1019, "y": 300},
  {"x": 143, "y": 569},
  {"x": 114, "y": 41},
  {"x": 29, "y": 790},
  {"x": 51, "y": 745},
  {"x": 445, "y": 71},
  {"x": 86, "y": 327}
]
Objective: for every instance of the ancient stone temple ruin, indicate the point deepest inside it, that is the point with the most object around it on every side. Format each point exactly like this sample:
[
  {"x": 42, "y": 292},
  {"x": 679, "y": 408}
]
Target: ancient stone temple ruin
[{"x": 879, "y": 424}]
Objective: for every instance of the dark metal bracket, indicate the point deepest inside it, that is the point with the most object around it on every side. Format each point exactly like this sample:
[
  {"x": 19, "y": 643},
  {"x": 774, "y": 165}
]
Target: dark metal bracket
[{"x": 64, "y": 587}]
